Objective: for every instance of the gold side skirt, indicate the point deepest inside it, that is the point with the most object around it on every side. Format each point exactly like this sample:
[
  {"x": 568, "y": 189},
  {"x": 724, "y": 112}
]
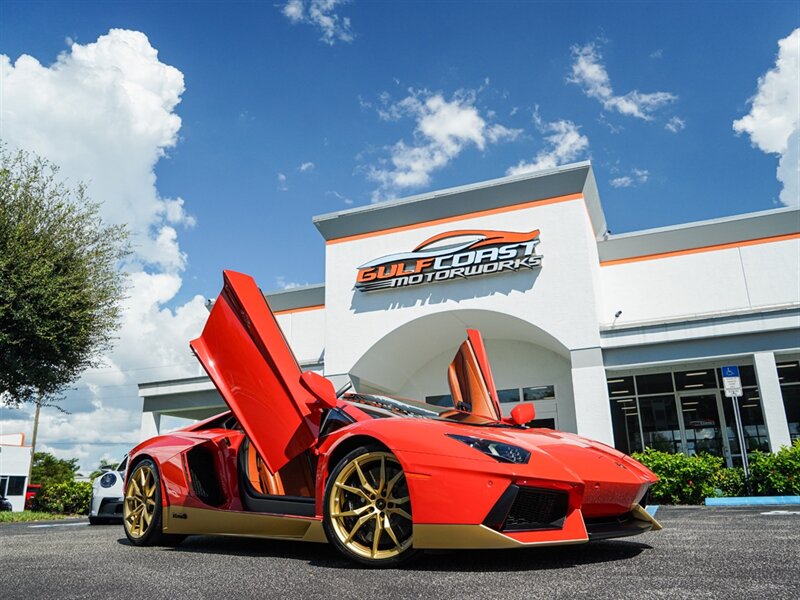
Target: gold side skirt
[{"x": 202, "y": 521}]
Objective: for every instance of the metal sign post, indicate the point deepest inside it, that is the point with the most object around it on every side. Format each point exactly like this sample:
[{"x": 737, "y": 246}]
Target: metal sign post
[{"x": 733, "y": 390}]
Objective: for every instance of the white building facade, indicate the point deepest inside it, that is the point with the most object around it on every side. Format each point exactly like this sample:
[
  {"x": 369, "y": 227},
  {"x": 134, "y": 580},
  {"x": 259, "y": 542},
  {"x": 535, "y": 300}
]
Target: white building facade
[
  {"x": 15, "y": 462},
  {"x": 618, "y": 338}
]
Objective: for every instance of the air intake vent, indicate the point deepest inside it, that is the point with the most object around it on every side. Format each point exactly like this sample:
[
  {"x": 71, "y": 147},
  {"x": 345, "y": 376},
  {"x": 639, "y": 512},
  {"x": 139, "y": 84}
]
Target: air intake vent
[{"x": 535, "y": 508}]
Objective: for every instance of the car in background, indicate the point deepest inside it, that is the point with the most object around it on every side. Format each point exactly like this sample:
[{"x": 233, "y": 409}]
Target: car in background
[
  {"x": 5, "y": 505},
  {"x": 30, "y": 494},
  {"x": 107, "y": 493}
]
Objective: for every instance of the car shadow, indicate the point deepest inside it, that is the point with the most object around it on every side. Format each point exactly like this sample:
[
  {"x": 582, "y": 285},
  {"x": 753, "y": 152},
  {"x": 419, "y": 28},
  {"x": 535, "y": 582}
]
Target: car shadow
[{"x": 325, "y": 556}]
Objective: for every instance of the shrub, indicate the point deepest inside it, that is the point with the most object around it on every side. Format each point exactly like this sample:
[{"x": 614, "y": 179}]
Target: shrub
[
  {"x": 690, "y": 479},
  {"x": 682, "y": 479},
  {"x": 776, "y": 474},
  {"x": 72, "y": 497},
  {"x": 728, "y": 483}
]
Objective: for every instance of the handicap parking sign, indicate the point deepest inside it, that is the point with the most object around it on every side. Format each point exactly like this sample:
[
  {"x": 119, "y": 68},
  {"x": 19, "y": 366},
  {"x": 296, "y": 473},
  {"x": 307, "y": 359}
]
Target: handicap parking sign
[
  {"x": 731, "y": 381},
  {"x": 730, "y": 371}
]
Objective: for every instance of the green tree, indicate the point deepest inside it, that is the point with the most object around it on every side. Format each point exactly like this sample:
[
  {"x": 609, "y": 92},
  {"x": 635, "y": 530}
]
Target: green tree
[
  {"x": 49, "y": 470},
  {"x": 60, "y": 285},
  {"x": 104, "y": 463}
]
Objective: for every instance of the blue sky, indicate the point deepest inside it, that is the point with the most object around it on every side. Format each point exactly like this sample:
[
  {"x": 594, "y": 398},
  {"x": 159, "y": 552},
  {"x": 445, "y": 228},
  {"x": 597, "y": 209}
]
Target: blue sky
[
  {"x": 264, "y": 96},
  {"x": 286, "y": 113}
]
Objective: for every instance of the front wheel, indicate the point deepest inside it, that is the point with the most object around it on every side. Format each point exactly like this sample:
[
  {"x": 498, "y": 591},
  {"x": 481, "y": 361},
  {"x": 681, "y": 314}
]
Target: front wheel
[
  {"x": 141, "y": 508},
  {"x": 367, "y": 511}
]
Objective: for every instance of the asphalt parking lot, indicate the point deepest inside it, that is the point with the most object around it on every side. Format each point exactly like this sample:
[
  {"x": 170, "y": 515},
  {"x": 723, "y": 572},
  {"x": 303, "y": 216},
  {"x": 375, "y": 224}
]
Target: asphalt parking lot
[{"x": 701, "y": 553}]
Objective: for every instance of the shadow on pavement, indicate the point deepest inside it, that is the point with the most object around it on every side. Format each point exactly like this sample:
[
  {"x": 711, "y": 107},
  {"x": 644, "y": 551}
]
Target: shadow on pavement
[{"x": 324, "y": 555}]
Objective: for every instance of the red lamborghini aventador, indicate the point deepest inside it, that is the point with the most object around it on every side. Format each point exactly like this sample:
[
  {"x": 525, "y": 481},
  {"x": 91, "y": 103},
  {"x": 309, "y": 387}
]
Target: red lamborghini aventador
[{"x": 380, "y": 478}]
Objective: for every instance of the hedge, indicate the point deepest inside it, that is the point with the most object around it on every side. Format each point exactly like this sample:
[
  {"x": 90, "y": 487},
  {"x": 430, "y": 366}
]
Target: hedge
[
  {"x": 690, "y": 479},
  {"x": 72, "y": 497}
]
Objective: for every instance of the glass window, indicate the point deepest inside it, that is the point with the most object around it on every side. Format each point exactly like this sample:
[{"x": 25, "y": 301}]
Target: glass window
[
  {"x": 788, "y": 372},
  {"x": 755, "y": 432},
  {"x": 16, "y": 485},
  {"x": 747, "y": 374},
  {"x": 543, "y": 423},
  {"x": 625, "y": 420},
  {"x": 697, "y": 379},
  {"x": 443, "y": 400},
  {"x": 660, "y": 423},
  {"x": 620, "y": 386},
  {"x": 3, "y": 482},
  {"x": 791, "y": 402},
  {"x": 659, "y": 383},
  {"x": 510, "y": 395},
  {"x": 531, "y": 394}
]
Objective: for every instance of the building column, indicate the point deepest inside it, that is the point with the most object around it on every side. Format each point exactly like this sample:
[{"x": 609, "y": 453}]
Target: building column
[
  {"x": 769, "y": 388},
  {"x": 590, "y": 395},
  {"x": 151, "y": 425}
]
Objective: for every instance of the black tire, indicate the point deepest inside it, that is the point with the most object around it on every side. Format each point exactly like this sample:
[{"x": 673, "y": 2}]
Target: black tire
[
  {"x": 375, "y": 498},
  {"x": 143, "y": 532}
]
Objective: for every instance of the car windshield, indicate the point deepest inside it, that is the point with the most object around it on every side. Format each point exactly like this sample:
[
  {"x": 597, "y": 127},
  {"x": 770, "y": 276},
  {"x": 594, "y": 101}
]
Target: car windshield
[{"x": 379, "y": 407}]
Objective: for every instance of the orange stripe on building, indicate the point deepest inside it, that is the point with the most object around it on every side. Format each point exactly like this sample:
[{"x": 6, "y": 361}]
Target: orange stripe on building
[
  {"x": 479, "y": 213},
  {"x": 764, "y": 240},
  {"x": 297, "y": 310}
]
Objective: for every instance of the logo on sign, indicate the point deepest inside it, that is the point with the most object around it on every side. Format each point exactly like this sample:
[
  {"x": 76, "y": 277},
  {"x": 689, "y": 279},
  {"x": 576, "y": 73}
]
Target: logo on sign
[{"x": 451, "y": 255}]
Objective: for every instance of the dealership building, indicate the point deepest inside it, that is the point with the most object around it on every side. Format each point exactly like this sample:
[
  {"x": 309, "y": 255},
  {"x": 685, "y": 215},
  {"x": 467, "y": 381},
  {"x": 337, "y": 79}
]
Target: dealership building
[{"x": 620, "y": 338}]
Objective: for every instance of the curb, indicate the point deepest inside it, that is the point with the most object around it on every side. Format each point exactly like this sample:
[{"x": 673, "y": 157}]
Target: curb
[{"x": 753, "y": 501}]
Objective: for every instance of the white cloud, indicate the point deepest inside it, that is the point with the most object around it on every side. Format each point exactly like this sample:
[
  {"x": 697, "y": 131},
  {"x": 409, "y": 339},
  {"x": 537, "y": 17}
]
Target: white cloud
[
  {"x": 590, "y": 73},
  {"x": 636, "y": 178},
  {"x": 320, "y": 14},
  {"x": 105, "y": 112},
  {"x": 773, "y": 122},
  {"x": 443, "y": 130},
  {"x": 282, "y": 183},
  {"x": 306, "y": 166},
  {"x": 675, "y": 124},
  {"x": 283, "y": 284},
  {"x": 564, "y": 144},
  {"x": 338, "y": 196}
]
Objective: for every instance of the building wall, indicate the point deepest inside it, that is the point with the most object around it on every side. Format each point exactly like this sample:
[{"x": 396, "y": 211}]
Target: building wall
[
  {"x": 744, "y": 277},
  {"x": 305, "y": 331},
  {"x": 15, "y": 462},
  {"x": 563, "y": 306}
]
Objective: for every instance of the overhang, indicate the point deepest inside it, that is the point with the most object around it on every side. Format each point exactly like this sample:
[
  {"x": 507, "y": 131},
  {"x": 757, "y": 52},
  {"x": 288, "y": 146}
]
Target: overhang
[{"x": 506, "y": 192}]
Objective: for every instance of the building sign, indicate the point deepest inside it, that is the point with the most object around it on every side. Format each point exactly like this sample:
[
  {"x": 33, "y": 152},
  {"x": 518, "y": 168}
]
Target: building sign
[{"x": 452, "y": 255}]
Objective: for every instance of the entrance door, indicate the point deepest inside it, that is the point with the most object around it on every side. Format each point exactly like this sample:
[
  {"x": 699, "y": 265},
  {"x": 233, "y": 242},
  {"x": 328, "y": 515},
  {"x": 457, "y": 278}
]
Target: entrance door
[{"x": 703, "y": 424}]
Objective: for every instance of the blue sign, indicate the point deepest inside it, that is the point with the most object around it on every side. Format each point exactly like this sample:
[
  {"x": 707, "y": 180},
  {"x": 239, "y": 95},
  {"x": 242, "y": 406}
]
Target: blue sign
[{"x": 730, "y": 371}]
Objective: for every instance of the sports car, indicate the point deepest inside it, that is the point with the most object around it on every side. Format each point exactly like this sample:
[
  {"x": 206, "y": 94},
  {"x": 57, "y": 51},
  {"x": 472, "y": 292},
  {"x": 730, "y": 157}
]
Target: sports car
[
  {"x": 380, "y": 478},
  {"x": 107, "y": 493}
]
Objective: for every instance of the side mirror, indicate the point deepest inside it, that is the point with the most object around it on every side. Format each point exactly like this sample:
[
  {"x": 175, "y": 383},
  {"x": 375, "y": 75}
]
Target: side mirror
[
  {"x": 321, "y": 388},
  {"x": 523, "y": 413}
]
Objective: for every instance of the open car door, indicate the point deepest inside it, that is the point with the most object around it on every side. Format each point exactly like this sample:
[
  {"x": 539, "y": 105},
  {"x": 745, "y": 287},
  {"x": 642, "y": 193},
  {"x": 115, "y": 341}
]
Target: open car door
[
  {"x": 247, "y": 357},
  {"x": 471, "y": 381}
]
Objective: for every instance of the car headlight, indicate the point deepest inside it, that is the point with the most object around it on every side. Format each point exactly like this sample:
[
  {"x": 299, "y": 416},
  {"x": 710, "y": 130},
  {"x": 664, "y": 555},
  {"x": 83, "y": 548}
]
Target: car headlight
[
  {"x": 108, "y": 480},
  {"x": 497, "y": 450}
]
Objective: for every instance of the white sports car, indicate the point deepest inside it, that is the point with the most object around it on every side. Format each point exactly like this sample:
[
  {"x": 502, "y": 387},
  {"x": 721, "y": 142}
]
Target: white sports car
[{"x": 107, "y": 493}]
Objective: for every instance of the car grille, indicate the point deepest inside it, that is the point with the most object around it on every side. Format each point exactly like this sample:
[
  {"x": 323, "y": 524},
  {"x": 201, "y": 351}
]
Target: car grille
[{"x": 535, "y": 508}]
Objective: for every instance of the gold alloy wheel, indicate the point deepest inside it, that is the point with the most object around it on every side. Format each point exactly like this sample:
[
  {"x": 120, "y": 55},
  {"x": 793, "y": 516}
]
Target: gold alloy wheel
[
  {"x": 370, "y": 508},
  {"x": 140, "y": 501}
]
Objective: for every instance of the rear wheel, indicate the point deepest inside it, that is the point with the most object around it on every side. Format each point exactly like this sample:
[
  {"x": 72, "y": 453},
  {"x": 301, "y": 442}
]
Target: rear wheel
[
  {"x": 367, "y": 511},
  {"x": 141, "y": 508}
]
